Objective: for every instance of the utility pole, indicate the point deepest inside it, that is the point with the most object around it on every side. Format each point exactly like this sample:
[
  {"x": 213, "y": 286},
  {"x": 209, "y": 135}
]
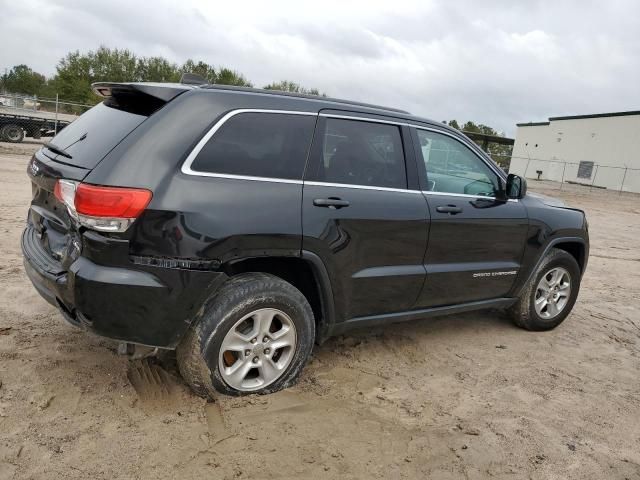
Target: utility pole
[
  {"x": 4, "y": 79},
  {"x": 55, "y": 128},
  {"x": 624, "y": 177}
]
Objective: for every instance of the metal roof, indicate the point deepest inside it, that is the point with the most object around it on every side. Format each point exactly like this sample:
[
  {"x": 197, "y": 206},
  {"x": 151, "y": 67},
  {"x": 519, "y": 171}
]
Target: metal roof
[
  {"x": 579, "y": 117},
  {"x": 597, "y": 115}
]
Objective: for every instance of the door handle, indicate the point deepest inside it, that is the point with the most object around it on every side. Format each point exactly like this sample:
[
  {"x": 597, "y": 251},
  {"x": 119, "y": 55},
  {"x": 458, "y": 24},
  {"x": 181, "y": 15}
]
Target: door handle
[
  {"x": 450, "y": 209},
  {"x": 331, "y": 202}
]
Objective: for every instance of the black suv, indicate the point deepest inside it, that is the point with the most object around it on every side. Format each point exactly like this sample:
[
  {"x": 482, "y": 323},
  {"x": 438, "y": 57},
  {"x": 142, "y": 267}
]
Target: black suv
[{"x": 240, "y": 226}]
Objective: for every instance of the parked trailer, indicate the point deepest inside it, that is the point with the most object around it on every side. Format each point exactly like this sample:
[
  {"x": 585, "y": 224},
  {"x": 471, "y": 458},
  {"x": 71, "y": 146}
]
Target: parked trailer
[{"x": 15, "y": 126}]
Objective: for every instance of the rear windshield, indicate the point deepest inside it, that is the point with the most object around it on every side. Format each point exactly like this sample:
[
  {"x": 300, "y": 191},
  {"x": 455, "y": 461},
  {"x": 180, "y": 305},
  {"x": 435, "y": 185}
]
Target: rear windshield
[{"x": 102, "y": 127}]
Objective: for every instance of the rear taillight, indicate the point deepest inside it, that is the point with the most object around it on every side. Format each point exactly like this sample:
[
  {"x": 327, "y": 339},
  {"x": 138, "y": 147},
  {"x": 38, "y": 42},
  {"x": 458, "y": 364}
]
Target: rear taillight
[
  {"x": 115, "y": 202},
  {"x": 108, "y": 209}
]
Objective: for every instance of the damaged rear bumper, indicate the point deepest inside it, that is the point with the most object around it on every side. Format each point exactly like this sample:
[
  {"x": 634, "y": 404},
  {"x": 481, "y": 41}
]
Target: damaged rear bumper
[{"x": 152, "y": 306}]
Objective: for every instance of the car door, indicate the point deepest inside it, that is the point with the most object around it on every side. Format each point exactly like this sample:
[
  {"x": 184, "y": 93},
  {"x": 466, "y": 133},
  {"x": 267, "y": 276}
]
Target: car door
[
  {"x": 363, "y": 216},
  {"x": 476, "y": 240}
]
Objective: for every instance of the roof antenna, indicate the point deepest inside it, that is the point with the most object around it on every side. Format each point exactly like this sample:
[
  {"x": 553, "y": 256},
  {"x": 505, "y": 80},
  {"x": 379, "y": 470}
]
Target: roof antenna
[{"x": 193, "y": 79}]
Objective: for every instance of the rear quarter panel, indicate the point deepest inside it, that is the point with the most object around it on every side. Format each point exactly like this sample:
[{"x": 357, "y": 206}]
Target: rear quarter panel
[
  {"x": 201, "y": 217},
  {"x": 221, "y": 219}
]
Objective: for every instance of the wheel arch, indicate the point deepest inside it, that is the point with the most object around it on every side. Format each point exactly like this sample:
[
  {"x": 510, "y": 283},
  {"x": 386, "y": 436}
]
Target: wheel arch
[
  {"x": 307, "y": 273},
  {"x": 575, "y": 246}
]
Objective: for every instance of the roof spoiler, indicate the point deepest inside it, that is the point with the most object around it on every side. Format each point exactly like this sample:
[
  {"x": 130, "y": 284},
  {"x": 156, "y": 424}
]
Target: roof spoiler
[
  {"x": 139, "y": 98},
  {"x": 164, "y": 92}
]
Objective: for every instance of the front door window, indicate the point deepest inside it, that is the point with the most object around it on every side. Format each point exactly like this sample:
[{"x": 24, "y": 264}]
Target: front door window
[{"x": 453, "y": 168}]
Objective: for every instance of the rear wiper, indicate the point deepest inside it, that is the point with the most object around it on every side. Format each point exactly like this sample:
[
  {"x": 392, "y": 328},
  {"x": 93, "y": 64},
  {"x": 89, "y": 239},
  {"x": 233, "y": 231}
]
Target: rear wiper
[
  {"x": 84, "y": 135},
  {"x": 58, "y": 150}
]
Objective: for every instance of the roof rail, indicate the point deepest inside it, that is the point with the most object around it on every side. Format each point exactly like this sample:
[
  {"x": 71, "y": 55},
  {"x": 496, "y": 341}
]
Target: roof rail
[{"x": 302, "y": 95}]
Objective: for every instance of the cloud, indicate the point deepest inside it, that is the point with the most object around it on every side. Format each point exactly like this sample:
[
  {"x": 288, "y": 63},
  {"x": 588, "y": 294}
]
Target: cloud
[{"x": 496, "y": 62}]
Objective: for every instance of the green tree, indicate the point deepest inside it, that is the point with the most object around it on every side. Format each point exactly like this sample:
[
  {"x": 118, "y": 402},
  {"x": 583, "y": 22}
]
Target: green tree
[
  {"x": 76, "y": 71},
  {"x": 289, "y": 86},
  {"x": 221, "y": 76},
  {"x": 471, "y": 127},
  {"x": 206, "y": 71},
  {"x": 226, "y": 76},
  {"x": 501, "y": 154},
  {"x": 74, "y": 77},
  {"x": 157, "y": 69},
  {"x": 113, "y": 65},
  {"x": 22, "y": 79}
]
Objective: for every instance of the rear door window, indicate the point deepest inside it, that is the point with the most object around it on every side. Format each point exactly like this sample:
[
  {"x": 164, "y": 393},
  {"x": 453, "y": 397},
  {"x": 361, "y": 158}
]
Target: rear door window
[
  {"x": 364, "y": 153},
  {"x": 271, "y": 145}
]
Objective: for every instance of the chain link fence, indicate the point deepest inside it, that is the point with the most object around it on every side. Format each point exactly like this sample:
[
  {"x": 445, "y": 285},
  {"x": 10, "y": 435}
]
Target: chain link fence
[
  {"x": 25, "y": 117},
  {"x": 589, "y": 174}
]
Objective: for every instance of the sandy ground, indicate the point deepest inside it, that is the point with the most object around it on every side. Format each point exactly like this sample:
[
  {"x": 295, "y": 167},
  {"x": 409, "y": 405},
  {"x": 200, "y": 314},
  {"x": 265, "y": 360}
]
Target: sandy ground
[
  {"x": 26, "y": 147},
  {"x": 468, "y": 396}
]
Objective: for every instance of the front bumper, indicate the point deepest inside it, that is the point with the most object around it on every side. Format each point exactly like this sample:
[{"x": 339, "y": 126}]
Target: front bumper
[{"x": 150, "y": 306}]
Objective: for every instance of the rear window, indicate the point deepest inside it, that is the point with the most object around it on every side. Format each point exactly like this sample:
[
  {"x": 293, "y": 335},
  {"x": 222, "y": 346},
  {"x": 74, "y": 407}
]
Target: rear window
[
  {"x": 272, "y": 145},
  {"x": 104, "y": 127},
  {"x": 362, "y": 153}
]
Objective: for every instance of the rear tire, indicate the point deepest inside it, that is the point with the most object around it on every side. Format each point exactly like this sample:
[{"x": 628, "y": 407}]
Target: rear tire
[
  {"x": 12, "y": 133},
  {"x": 254, "y": 336},
  {"x": 551, "y": 294}
]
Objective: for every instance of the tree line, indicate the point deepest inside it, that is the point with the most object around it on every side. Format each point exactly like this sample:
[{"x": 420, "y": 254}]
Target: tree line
[
  {"x": 501, "y": 154},
  {"x": 76, "y": 71}
]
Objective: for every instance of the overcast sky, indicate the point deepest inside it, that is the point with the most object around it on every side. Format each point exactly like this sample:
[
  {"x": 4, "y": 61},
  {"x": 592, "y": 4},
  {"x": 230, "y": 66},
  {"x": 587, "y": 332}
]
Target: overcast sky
[{"x": 496, "y": 62}]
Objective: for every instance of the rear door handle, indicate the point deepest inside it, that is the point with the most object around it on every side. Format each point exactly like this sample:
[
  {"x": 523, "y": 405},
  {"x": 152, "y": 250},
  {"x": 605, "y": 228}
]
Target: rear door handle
[
  {"x": 450, "y": 209},
  {"x": 331, "y": 202}
]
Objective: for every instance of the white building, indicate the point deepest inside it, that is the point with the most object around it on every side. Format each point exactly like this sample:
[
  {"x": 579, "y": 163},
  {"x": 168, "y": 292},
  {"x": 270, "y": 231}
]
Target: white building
[{"x": 600, "y": 149}]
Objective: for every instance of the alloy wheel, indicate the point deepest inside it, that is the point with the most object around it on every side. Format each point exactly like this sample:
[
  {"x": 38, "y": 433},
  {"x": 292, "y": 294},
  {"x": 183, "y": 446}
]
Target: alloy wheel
[
  {"x": 552, "y": 293},
  {"x": 257, "y": 350}
]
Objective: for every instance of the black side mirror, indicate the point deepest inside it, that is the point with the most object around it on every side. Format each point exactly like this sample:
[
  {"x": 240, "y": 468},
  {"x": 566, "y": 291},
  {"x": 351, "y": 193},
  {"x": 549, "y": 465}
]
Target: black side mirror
[
  {"x": 501, "y": 192},
  {"x": 516, "y": 186}
]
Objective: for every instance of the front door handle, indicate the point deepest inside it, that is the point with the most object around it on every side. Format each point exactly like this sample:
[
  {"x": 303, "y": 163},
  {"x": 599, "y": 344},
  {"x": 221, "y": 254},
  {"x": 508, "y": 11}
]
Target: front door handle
[
  {"x": 450, "y": 209},
  {"x": 331, "y": 202}
]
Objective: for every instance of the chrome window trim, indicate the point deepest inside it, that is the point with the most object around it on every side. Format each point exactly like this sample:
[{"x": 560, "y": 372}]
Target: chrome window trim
[
  {"x": 187, "y": 170},
  {"x": 363, "y": 119},
  {"x": 186, "y": 165},
  {"x": 360, "y": 187},
  {"x": 465, "y": 195},
  {"x": 243, "y": 177},
  {"x": 464, "y": 141}
]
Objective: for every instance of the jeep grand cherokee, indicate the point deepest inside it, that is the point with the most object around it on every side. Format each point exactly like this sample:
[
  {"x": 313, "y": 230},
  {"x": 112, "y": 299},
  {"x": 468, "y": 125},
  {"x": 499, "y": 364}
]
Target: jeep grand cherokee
[{"x": 240, "y": 226}]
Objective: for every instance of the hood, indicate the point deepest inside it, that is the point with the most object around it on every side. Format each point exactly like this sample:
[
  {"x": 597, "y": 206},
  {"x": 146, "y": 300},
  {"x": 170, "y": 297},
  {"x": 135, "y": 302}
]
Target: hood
[{"x": 551, "y": 201}]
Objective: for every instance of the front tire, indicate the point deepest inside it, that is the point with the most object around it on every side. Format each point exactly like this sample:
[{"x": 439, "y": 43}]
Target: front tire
[
  {"x": 254, "y": 336},
  {"x": 548, "y": 299}
]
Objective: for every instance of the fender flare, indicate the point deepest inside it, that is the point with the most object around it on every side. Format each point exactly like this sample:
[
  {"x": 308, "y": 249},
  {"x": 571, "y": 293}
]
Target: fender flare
[
  {"x": 549, "y": 246},
  {"x": 326, "y": 326}
]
